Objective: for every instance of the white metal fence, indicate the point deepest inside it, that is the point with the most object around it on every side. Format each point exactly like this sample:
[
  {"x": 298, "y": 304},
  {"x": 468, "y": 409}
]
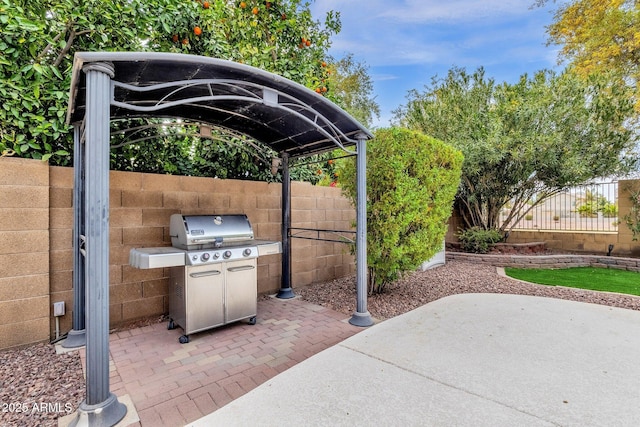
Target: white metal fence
[{"x": 592, "y": 207}]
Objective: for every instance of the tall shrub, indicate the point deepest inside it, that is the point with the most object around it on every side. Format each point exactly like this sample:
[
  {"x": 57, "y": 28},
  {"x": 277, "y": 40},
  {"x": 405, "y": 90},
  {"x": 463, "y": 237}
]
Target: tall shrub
[
  {"x": 411, "y": 183},
  {"x": 527, "y": 141}
]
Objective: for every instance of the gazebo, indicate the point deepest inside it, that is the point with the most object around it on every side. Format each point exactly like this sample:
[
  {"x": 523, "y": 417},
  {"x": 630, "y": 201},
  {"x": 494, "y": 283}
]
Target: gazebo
[{"x": 287, "y": 117}]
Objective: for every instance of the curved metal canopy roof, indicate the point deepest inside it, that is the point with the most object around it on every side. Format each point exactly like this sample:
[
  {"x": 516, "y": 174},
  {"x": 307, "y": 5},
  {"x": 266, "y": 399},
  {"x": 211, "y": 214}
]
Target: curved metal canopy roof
[
  {"x": 284, "y": 115},
  {"x": 278, "y": 112}
]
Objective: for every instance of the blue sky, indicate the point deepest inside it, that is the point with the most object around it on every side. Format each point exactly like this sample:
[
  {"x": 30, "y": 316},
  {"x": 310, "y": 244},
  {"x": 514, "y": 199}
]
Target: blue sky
[{"x": 406, "y": 42}]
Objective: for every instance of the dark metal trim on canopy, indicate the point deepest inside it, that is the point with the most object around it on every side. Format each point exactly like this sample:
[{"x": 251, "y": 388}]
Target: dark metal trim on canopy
[{"x": 284, "y": 115}]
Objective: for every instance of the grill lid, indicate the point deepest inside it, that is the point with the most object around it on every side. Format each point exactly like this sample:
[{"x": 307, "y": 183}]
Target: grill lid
[{"x": 208, "y": 231}]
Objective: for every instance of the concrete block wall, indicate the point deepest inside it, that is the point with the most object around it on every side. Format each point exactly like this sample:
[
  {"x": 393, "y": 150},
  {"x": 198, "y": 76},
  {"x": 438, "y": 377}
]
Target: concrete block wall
[
  {"x": 626, "y": 243},
  {"x": 36, "y": 224},
  {"x": 319, "y": 208},
  {"x": 24, "y": 252},
  {"x": 571, "y": 241}
]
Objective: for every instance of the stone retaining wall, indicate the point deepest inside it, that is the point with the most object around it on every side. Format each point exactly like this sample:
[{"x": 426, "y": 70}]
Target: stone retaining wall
[{"x": 548, "y": 261}]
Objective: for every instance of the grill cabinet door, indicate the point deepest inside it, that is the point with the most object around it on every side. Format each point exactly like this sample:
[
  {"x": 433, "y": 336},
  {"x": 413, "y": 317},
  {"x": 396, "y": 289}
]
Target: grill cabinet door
[
  {"x": 242, "y": 289},
  {"x": 204, "y": 297}
]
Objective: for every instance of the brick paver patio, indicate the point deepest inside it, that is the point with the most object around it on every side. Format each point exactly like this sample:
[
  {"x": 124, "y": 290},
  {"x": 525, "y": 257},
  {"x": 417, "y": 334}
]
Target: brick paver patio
[{"x": 172, "y": 384}]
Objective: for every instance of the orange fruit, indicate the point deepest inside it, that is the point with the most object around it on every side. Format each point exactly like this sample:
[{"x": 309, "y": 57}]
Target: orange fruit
[
  {"x": 318, "y": 90},
  {"x": 268, "y": 4},
  {"x": 324, "y": 64},
  {"x": 307, "y": 42},
  {"x": 254, "y": 11},
  {"x": 185, "y": 41},
  {"x": 243, "y": 4},
  {"x": 205, "y": 5},
  {"x": 197, "y": 31},
  {"x": 283, "y": 16},
  {"x": 175, "y": 38}
]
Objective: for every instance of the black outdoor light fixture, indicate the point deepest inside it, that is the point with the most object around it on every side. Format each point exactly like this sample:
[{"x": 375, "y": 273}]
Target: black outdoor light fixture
[{"x": 610, "y": 250}]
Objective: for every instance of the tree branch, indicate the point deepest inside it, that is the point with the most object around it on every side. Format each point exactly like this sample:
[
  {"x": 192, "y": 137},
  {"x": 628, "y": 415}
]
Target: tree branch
[
  {"x": 50, "y": 45},
  {"x": 66, "y": 48}
]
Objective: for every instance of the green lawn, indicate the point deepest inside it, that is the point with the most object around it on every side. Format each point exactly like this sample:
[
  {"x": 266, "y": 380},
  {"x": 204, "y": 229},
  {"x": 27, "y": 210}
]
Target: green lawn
[{"x": 596, "y": 279}]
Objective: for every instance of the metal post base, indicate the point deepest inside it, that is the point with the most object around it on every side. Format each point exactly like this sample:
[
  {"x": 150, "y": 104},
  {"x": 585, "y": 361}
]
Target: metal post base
[
  {"x": 75, "y": 339},
  {"x": 285, "y": 293},
  {"x": 107, "y": 413},
  {"x": 361, "y": 319}
]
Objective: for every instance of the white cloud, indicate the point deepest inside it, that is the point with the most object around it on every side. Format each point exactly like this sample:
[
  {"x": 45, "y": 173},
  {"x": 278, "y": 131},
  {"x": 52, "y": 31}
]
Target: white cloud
[
  {"x": 406, "y": 42},
  {"x": 384, "y": 77},
  {"x": 453, "y": 11},
  {"x": 404, "y": 32}
]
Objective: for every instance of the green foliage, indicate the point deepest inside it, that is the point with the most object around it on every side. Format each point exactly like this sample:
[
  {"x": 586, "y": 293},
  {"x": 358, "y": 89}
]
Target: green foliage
[
  {"x": 38, "y": 42},
  {"x": 588, "y": 210},
  {"x": 632, "y": 219},
  {"x": 599, "y": 35},
  {"x": 36, "y": 48},
  {"x": 352, "y": 88},
  {"x": 478, "y": 240},
  {"x": 411, "y": 183},
  {"x": 152, "y": 147},
  {"x": 279, "y": 36},
  {"x": 525, "y": 141},
  {"x": 609, "y": 210},
  {"x": 591, "y": 203}
]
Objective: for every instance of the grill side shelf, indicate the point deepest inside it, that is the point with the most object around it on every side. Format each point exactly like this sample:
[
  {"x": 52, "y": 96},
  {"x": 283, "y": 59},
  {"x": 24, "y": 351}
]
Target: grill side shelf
[{"x": 146, "y": 258}]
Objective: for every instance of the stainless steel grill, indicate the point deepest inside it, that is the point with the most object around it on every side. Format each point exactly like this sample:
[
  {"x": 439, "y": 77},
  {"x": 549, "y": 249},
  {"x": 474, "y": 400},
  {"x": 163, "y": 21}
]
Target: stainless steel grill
[{"x": 213, "y": 264}]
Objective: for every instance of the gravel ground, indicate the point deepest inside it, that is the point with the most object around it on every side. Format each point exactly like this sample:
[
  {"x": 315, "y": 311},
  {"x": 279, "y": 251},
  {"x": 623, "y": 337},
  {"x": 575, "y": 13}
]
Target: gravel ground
[
  {"x": 35, "y": 376},
  {"x": 37, "y": 386},
  {"x": 455, "y": 277}
]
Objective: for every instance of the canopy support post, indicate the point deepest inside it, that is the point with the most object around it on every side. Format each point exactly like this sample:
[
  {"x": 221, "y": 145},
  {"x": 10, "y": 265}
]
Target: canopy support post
[
  {"x": 285, "y": 291},
  {"x": 100, "y": 407},
  {"x": 77, "y": 336},
  {"x": 361, "y": 317}
]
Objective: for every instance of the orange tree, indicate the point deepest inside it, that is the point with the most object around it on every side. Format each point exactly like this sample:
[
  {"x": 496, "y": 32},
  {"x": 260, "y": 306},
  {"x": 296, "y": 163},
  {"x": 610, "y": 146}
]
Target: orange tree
[
  {"x": 38, "y": 40},
  {"x": 278, "y": 36}
]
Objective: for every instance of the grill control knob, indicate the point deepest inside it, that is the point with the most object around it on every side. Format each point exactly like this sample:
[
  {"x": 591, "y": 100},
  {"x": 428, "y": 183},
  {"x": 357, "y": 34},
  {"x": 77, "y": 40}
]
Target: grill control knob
[
  {"x": 195, "y": 257},
  {"x": 205, "y": 257},
  {"x": 246, "y": 252},
  {"x": 216, "y": 255},
  {"x": 226, "y": 254}
]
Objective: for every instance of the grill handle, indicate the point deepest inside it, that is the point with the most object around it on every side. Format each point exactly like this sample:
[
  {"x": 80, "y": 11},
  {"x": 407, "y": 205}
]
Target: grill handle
[
  {"x": 217, "y": 240},
  {"x": 241, "y": 268},
  {"x": 205, "y": 273}
]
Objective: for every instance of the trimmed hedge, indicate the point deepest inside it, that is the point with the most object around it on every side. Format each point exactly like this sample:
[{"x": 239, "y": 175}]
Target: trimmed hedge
[{"x": 412, "y": 180}]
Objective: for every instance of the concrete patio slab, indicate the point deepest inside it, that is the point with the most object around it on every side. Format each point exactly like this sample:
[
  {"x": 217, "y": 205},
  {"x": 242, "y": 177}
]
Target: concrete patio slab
[{"x": 464, "y": 360}]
